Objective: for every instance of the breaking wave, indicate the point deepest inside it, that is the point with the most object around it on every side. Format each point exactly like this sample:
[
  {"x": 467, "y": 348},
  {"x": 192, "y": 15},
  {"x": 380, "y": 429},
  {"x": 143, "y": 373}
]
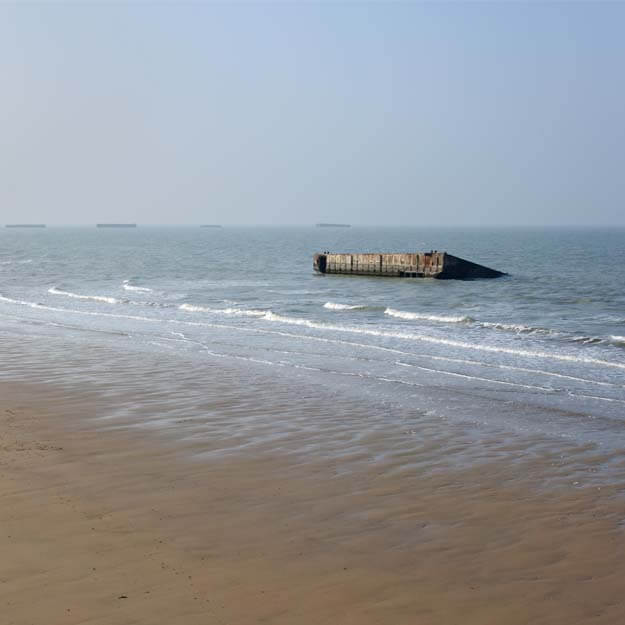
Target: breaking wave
[
  {"x": 271, "y": 316},
  {"x": 90, "y": 313},
  {"x": 516, "y": 328},
  {"x": 335, "y": 306},
  {"x": 613, "y": 339},
  {"x": 109, "y": 300},
  {"x": 412, "y": 316},
  {"x": 587, "y": 340},
  {"x": 519, "y": 328},
  {"x": 491, "y": 325},
  {"x": 366, "y": 331},
  {"x": 95, "y": 298},
  {"x": 222, "y": 311},
  {"x": 138, "y": 289}
]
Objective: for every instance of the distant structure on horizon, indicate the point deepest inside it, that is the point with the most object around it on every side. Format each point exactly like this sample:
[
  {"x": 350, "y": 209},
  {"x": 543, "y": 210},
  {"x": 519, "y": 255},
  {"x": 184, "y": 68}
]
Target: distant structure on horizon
[
  {"x": 25, "y": 226},
  {"x": 116, "y": 225},
  {"x": 210, "y": 226},
  {"x": 324, "y": 225}
]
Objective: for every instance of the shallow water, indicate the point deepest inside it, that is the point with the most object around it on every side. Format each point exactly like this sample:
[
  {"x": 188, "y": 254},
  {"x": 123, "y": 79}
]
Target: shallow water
[{"x": 538, "y": 355}]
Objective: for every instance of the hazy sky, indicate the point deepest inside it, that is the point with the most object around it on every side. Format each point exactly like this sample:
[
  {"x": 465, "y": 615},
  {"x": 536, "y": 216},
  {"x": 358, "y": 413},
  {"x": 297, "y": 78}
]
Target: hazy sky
[{"x": 436, "y": 114}]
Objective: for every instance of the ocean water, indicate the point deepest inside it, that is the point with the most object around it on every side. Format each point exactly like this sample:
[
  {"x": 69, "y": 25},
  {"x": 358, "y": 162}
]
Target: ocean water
[{"x": 538, "y": 354}]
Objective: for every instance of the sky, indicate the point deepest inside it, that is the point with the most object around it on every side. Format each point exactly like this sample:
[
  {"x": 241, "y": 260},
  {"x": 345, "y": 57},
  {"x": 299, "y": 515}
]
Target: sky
[{"x": 463, "y": 114}]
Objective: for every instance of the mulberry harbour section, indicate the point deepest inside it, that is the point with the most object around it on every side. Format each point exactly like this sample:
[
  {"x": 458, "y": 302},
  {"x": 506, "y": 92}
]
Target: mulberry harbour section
[{"x": 434, "y": 264}]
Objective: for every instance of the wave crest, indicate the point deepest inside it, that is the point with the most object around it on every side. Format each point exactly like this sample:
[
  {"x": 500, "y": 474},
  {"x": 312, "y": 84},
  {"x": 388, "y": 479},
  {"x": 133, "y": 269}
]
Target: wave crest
[
  {"x": 139, "y": 289},
  {"x": 527, "y": 353},
  {"x": 222, "y": 311},
  {"x": 519, "y": 328},
  {"x": 335, "y": 306},
  {"x": 95, "y": 298},
  {"x": 491, "y": 325},
  {"x": 412, "y": 316}
]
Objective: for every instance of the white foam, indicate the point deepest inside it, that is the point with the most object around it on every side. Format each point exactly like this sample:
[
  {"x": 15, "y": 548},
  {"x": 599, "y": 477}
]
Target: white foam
[
  {"x": 392, "y": 350},
  {"x": 463, "y": 361},
  {"x": 138, "y": 289},
  {"x": 190, "y": 308},
  {"x": 476, "y": 377},
  {"x": 16, "y": 262},
  {"x": 509, "y": 327},
  {"x": 515, "y": 327},
  {"x": 270, "y": 316},
  {"x": 237, "y": 312},
  {"x": 95, "y": 298},
  {"x": 413, "y": 316},
  {"x": 599, "y": 398},
  {"x": 618, "y": 340},
  {"x": 89, "y": 313},
  {"x": 335, "y": 306},
  {"x": 587, "y": 340}
]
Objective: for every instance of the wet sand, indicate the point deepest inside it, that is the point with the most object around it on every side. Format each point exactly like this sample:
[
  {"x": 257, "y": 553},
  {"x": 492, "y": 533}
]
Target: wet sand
[{"x": 123, "y": 526}]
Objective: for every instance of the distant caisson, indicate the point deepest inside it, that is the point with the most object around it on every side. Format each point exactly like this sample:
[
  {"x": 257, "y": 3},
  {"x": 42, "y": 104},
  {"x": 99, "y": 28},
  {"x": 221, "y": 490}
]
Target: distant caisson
[
  {"x": 116, "y": 225},
  {"x": 25, "y": 226}
]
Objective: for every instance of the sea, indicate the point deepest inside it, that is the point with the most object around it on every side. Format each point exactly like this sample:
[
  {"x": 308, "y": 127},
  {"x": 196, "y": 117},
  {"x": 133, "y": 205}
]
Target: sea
[{"x": 228, "y": 335}]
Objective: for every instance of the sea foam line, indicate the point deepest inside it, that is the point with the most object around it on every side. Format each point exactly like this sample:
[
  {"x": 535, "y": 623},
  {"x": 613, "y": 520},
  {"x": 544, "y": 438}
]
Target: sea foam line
[
  {"x": 394, "y": 351},
  {"x": 477, "y": 377},
  {"x": 510, "y": 327},
  {"x": 270, "y": 316},
  {"x": 138, "y": 289},
  {"x": 95, "y": 298},
  {"x": 344, "y": 373},
  {"x": 438, "y": 318},
  {"x": 412, "y": 316},
  {"x": 273, "y": 317},
  {"x": 519, "y": 328},
  {"x": 26, "y": 261},
  {"x": 185, "y": 339},
  {"x": 336, "y": 306},
  {"x": 110, "y": 300},
  {"x": 88, "y": 313},
  {"x": 283, "y": 363},
  {"x": 402, "y": 314},
  {"x": 464, "y": 361},
  {"x": 222, "y": 311}
]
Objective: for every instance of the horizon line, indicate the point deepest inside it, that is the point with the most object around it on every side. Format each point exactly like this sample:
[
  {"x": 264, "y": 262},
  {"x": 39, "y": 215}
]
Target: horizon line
[{"x": 311, "y": 225}]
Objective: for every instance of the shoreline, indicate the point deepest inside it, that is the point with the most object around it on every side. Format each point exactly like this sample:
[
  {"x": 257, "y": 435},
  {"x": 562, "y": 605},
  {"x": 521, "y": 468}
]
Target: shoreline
[{"x": 124, "y": 526}]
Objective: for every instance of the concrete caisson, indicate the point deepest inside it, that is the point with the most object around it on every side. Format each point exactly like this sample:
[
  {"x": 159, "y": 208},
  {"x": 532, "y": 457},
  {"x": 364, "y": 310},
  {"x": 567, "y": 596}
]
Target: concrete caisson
[{"x": 434, "y": 264}]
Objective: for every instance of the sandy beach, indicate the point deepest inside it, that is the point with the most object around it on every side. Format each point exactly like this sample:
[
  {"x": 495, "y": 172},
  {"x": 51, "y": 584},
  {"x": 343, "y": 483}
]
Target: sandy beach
[{"x": 120, "y": 526}]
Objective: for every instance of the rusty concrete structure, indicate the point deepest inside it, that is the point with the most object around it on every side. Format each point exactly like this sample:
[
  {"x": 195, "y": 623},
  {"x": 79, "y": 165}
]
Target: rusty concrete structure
[{"x": 434, "y": 264}]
